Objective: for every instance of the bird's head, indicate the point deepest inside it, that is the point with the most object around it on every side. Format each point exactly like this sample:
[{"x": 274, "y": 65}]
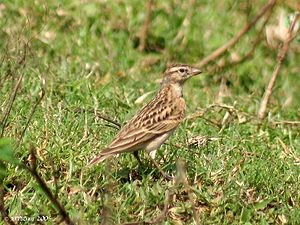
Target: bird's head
[{"x": 179, "y": 73}]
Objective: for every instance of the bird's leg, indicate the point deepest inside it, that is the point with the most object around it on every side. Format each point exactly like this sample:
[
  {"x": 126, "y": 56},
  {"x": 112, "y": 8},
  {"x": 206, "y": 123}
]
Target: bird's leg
[
  {"x": 166, "y": 176},
  {"x": 136, "y": 155}
]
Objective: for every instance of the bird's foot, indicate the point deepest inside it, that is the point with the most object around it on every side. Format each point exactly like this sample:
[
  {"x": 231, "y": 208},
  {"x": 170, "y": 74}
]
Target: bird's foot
[{"x": 168, "y": 177}]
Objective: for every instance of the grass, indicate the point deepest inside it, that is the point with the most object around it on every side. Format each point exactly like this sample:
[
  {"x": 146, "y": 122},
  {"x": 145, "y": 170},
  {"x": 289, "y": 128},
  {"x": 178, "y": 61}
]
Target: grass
[{"x": 85, "y": 52}]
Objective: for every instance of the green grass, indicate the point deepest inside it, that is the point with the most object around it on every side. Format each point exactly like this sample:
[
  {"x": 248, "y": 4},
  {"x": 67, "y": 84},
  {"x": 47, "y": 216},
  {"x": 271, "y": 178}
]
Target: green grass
[{"x": 85, "y": 52}]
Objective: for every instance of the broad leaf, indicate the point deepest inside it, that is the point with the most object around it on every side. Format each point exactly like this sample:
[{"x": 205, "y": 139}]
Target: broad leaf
[{"x": 6, "y": 151}]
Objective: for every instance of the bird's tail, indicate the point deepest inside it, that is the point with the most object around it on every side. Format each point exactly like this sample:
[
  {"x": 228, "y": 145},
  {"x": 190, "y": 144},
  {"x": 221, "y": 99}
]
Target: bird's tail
[{"x": 98, "y": 159}]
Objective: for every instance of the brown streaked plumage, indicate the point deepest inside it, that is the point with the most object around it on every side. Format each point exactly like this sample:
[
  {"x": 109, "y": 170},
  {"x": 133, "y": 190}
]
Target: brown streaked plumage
[{"x": 156, "y": 121}]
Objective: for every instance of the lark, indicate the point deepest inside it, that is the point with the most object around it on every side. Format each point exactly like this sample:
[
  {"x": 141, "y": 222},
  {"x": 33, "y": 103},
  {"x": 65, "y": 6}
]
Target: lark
[{"x": 156, "y": 121}]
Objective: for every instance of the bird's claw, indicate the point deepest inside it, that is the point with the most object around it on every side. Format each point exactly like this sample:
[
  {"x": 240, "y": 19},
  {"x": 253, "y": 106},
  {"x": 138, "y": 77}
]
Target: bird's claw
[{"x": 168, "y": 177}]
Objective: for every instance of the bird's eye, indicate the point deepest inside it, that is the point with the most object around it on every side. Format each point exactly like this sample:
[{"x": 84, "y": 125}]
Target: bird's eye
[{"x": 181, "y": 70}]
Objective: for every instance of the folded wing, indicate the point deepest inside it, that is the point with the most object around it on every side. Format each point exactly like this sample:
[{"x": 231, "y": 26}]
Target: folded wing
[{"x": 156, "y": 118}]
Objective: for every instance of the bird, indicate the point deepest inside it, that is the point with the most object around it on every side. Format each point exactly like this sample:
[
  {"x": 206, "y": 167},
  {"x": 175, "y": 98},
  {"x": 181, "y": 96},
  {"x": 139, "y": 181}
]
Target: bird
[{"x": 155, "y": 122}]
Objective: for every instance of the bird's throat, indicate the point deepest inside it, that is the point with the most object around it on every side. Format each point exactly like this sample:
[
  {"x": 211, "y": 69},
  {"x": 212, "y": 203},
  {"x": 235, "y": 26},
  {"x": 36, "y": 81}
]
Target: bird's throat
[{"x": 177, "y": 88}]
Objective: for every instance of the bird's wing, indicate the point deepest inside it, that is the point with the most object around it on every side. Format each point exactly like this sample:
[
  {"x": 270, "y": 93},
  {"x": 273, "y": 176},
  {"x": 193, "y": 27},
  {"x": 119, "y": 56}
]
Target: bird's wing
[{"x": 161, "y": 115}]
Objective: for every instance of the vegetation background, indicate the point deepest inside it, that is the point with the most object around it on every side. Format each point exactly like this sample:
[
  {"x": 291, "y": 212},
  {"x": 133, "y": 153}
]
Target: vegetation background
[{"x": 67, "y": 68}]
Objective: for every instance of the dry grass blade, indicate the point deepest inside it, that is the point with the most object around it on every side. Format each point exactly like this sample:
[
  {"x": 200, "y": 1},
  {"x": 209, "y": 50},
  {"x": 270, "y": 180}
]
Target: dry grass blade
[{"x": 281, "y": 56}]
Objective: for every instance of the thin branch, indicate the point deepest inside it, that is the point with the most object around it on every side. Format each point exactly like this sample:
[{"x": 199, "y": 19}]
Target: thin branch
[
  {"x": 31, "y": 115},
  {"x": 201, "y": 114},
  {"x": 101, "y": 116},
  {"x": 107, "y": 216},
  {"x": 287, "y": 122},
  {"x": 22, "y": 60},
  {"x": 8, "y": 70},
  {"x": 32, "y": 170},
  {"x": 108, "y": 211},
  {"x": 281, "y": 56},
  {"x": 182, "y": 178},
  {"x": 250, "y": 53},
  {"x": 54, "y": 174},
  {"x": 21, "y": 63},
  {"x": 4, "y": 214},
  {"x": 145, "y": 27},
  {"x": 160, "y": 218},
  {"x": 9, "y": 105},
  {"x": 234, "y": 40},
  {"x": 5, "y": 55}
]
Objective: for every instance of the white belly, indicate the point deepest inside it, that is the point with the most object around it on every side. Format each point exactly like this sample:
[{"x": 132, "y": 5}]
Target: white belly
[{"x": 153, "y": 145}]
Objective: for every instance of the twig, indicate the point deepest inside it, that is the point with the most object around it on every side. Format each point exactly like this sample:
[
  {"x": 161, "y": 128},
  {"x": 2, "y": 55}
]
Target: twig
[
  {"x": 4, "y": 55},
  {"x": 182, "y": 178},
  {"x": 32, "y": 170},
  {"x": 204, "y": 111},
  {"x": 281, "y": 56},
  {"x": 31, "y": 115},
  {"x": 8, "y": 70},
  {"x": 250, "y": 53},
  {"x": 229, "y": 108},
  {"x": 108, "y": 214},
  {"x": 54, "y": 174},
  {"x": 22, "y": 60},
  {"x": 234, "y": 40},
  {"x": 216, "y": 124},
  {"x": 145, "y": 27},
  {"x": 101, "y": 116},
  {"x": 287, "y": 122},
  {"x": 4, "y": 214},
  {"x": 21, "y": 63},
  {"x": 9, "y": 105},
  {"x": 159, "y": 219},
  {"x": 199, "y": 114}
]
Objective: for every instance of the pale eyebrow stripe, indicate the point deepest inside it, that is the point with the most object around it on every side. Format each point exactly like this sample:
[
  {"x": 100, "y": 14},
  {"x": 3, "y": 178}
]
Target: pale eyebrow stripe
[{"x": 173, "y": 69}]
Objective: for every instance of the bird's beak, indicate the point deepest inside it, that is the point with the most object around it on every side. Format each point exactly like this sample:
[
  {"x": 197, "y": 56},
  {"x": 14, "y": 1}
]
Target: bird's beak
[{"x": 195, "y": 71}]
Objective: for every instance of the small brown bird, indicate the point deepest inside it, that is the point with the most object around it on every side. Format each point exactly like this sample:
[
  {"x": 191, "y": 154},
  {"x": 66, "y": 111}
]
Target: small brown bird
[{"x": 156, "y": 121}]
